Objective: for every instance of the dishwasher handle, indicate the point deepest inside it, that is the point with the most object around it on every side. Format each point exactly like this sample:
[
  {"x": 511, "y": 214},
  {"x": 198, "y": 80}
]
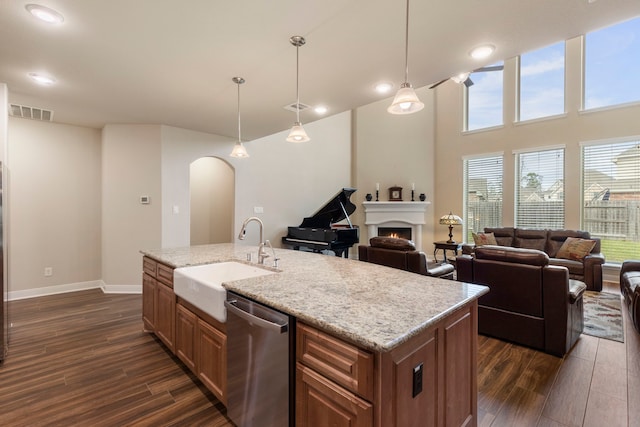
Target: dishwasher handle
[{"x": 255, "y": 317}]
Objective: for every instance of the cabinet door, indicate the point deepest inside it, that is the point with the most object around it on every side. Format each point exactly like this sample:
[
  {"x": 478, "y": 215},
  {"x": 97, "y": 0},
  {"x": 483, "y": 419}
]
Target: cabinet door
[
  {"x": 186, "y": 324},
  {"x": 320, "y": 402},
  {"x": 148, "y": 302},
  {"x": 460, "y": 369},
  {"x": 165, "y": 315},
  {"x": 212, "y": 359}
]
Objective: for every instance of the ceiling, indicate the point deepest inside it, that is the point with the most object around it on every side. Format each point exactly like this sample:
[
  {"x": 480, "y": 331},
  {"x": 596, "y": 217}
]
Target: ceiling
[{"x": 172, "y": 62}]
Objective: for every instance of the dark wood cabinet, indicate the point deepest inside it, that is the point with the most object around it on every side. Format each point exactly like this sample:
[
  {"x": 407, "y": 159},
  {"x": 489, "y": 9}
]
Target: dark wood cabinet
[
  {"x": 212, "y": 359},
  {"x": 199, "y": 340},
  {"x": 338, "y": 383},
  {"x": 165, "y": 314},
  {"x": 148, "y": 302},
  {"x": 186, "y": 324},
  {"x": 158, "y": 301},
  {"x": 320, "y": 402}
]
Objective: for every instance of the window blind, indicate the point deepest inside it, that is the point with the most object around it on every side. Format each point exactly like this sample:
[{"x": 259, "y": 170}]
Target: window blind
[
  {"x": 611, "y": 197},
  {"x": 482, "y": 194},
  {"x": 540, "y": 189}
]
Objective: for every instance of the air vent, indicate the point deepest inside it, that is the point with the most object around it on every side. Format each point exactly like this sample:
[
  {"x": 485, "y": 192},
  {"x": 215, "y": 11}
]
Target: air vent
[
  {"x": 292, "y": 107},
  {"x": 30, "y": 112}
]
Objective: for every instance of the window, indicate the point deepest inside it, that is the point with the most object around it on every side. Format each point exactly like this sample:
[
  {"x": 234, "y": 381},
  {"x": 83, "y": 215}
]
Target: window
[
  {"x": 484, "y": 100},
  {"x": 612, "y": 65},
  {"x": 542, "y": 82},
  {"x": 482, "y": 194},
  {"x": 540, "y": 189},
  {"x": 611, "y": 196}
]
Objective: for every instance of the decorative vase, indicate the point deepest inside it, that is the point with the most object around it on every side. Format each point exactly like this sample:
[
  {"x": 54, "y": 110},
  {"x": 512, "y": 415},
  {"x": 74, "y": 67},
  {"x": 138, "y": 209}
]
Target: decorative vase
[
  {"x": 423, "y": 197},
  {"x": 368, "y": 197}
]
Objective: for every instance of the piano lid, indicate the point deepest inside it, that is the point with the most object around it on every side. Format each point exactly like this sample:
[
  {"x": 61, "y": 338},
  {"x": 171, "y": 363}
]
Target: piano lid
[{"x": 333, "y": 211}]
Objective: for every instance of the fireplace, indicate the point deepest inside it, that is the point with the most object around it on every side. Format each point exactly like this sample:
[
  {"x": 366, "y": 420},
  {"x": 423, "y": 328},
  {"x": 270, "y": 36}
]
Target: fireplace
[
  {"x": 401, "y": 232},
  {"x": 397, "y": 216}
]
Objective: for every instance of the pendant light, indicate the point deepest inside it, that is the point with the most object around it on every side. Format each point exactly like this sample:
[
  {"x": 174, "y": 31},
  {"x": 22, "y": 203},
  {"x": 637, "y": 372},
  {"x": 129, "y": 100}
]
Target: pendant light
[
  {"x": 238, "y": 148},
  {"x": 297, "y": 133},
  {"x": 406, "y": 100}
]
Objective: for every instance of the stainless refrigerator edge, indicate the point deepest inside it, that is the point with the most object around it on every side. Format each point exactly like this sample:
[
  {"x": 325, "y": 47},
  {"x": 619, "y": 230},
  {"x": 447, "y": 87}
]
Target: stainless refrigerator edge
[{"x": 4, "y": 314}]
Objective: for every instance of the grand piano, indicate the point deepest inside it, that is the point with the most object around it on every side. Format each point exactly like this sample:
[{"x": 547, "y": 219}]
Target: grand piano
[{"x": 320, "y": 232}]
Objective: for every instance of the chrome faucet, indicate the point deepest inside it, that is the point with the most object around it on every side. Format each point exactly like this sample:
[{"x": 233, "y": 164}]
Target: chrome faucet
[{"x": 262, "y": 253}]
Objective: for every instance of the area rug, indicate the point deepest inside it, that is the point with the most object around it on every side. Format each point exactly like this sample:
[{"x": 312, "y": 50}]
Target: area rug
[{"x": 603, "y": 315}]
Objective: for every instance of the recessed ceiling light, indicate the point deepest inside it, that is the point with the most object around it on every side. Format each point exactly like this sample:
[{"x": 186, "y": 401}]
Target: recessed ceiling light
[
  {"x": 482, "y": 52},
  {"x": 45, "y": 14},
  {"x": 384, "y": 87},
  {"x": 42, "y": 79},
  {"x": 321, "y": 109}
]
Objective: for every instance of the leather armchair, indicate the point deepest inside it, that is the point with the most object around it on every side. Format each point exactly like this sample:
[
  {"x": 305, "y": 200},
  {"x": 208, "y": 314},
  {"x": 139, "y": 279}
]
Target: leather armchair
[
  {"x": 402, "y": 254},
  {"x": 530, "y": 302},
  {"x": 630, "y": 289}
]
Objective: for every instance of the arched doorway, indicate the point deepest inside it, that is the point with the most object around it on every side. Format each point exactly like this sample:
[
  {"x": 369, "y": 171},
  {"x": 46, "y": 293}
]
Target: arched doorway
[{"x": 212, "y": 201}]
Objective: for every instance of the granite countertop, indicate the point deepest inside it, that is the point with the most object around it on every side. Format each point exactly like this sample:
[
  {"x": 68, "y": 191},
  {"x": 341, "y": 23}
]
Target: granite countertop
[{"x": 374, "y": 306}]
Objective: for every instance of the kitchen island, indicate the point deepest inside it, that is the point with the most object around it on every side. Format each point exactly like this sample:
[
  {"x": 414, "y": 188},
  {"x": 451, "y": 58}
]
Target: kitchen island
[{"x": 375, "y": 345}]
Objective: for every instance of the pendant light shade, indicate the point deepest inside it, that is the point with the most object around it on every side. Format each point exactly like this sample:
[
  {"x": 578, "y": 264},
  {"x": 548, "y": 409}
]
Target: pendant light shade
[
  {"x": 297, "y": 133},
  {"x": 406, "y": 100},
  {"x": 238, "y": 148}
]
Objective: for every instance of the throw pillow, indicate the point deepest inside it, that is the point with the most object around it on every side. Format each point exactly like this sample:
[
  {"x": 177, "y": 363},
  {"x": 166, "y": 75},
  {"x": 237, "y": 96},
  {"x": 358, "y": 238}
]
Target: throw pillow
[
  {"x": 481, "y": 239},
  {"x": 575, "y": 248}
]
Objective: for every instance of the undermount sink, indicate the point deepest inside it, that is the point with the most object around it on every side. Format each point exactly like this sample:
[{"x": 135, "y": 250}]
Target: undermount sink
[{"x": 201, "y": 285}]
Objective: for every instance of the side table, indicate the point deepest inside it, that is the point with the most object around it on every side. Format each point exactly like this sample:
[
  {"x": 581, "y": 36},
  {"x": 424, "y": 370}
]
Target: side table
[{"x": 444, "y": 247}]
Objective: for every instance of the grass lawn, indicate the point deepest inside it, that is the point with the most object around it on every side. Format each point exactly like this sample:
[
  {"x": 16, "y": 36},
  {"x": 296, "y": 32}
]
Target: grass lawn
[{"x": 619, "y": 250}]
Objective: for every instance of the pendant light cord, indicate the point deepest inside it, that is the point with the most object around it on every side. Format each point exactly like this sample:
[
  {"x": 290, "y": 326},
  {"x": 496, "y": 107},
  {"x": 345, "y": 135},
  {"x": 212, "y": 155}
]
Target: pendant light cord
[
  {"x": 239, "y": 138},
  {"x": 406, "y": 46},
  {"x": 297, "y": 83}
]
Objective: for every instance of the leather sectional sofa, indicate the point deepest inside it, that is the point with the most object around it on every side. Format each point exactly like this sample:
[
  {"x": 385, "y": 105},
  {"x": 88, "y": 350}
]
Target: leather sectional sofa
[
  {"x": 630, "y": 289},
  {"x": 530, "y": 302},
  {"x": 587, "y": 270}
]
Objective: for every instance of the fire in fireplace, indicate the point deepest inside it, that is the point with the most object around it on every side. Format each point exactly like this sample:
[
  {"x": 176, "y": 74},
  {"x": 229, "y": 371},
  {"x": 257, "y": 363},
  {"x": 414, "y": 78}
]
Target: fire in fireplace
[{"x": 399, "y": 232}]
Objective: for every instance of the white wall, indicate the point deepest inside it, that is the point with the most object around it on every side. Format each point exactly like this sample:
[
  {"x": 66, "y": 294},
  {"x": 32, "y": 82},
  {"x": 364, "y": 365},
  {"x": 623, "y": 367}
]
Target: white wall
[
  {"x": 569, "y": 130},
  {"x": 130, "y": 169},
  {"x": 55, "y": 204},
  {"x": 180, "y": 148},
  {"x": 292, "y": 181},
  {"x": 395, "y": 150}
]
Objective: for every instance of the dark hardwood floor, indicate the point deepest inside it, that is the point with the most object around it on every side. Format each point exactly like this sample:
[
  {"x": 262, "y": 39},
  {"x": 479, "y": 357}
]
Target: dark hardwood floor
[{"x": 82, "y": 359}]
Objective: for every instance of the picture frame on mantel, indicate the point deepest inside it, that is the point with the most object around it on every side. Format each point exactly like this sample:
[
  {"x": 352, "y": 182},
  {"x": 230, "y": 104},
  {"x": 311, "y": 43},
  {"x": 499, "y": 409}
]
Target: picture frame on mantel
[{"x": 395, "y": 194}]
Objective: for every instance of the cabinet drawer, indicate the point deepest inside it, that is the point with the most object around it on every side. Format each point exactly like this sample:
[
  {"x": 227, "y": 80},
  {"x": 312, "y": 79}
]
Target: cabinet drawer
[
  {"x": 321, "y": 402},
  {"x": 164, "y": 274},
  {"x": 344, "y": 363},
  {"x": 149, "y": 266}
]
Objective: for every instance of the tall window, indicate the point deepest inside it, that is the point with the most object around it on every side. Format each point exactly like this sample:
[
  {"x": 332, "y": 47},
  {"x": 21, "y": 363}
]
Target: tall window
[
  {"x": 542, "y": 82},
  {"x": 611, "y": 196},
  {"x": 482, "y": 193},
  {"x": 612, "y": 65},
  {"x": 484, "y": 100},
  {"x": 540, "y": 189}
]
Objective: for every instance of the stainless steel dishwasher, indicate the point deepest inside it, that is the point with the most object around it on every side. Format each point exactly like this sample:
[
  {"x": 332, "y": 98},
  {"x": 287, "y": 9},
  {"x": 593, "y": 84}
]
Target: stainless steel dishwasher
[{"x": 258, "y": 371}]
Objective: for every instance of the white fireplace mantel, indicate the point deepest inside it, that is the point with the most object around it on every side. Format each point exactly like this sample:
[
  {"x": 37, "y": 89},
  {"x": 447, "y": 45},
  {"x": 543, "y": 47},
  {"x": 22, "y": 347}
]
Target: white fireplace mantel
[{"x": 396, "y": 214}]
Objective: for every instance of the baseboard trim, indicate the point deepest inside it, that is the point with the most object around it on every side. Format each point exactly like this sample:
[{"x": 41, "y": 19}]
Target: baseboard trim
[
  {"x": 74, "y": 287},
  {"x": 122, "y": 289},
  {"x": 53, "y": 290}
]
